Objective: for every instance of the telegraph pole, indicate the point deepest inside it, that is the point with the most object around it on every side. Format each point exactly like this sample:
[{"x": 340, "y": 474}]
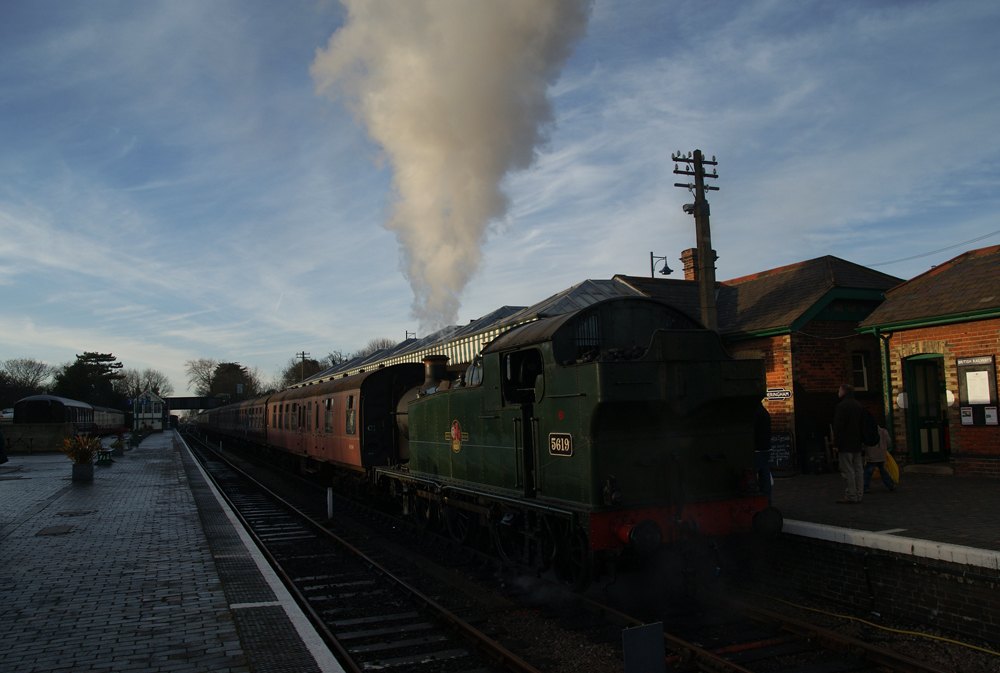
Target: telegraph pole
[
  {"x": 705, "y": 269},
  {"x": 302, "y": 368}
]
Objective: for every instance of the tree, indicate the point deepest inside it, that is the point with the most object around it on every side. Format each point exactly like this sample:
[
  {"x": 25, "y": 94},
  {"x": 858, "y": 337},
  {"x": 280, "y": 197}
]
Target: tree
[
  {"x": 297, "y": 370},
  {"x": 92, "y": 379},
  {"x": 23, "y": 377},
  {"x": 373, "y": 345},
  {"x": 200, "y": 373},
  {"x": 235, "y": 381},
  {"x": 334, "y": 358},
  {"x": 27, "y": 372},
  {"x": 133, "y": 383}
]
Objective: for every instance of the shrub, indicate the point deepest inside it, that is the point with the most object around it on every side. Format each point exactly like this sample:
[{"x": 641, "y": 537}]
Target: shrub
[{"x": 81, "y": 448}]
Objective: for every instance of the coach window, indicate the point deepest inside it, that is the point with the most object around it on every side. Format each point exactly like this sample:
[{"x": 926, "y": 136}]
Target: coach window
[
  {"x": 309, "y": 416},
  {"x": 328, "y": 421},
  {"x": 288, "y": 412},
  {"x": 352, "y": 428}
]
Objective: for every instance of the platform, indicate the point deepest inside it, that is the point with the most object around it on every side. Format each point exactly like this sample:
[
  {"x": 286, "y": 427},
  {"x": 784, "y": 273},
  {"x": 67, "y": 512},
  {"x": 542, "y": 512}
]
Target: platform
[
  {"x": 140, "y": 570},
  {"x": 948, "y": 518}
]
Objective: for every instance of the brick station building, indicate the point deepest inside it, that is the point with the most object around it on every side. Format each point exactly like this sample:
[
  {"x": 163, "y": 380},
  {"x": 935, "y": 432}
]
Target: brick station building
[
  {"x": 940, "y": 334},
  {"x": 802, "y": 320}
]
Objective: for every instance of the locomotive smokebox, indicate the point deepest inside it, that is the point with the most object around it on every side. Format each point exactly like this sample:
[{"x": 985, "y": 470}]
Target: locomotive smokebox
[{"x": 435, "y": 371}]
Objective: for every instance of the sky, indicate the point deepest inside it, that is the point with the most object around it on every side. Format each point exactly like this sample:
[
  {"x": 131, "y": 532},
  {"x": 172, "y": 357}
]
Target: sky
[{"x": 245, "y": 180}]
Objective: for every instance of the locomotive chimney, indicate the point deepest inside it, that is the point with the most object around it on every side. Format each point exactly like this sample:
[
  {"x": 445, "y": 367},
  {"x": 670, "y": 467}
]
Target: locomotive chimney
[{"x": 435, "y": 371}]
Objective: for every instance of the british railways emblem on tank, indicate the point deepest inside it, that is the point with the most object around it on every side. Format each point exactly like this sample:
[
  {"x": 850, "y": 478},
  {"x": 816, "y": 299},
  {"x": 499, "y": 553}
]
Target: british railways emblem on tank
[{"x": 457, "y": 436}]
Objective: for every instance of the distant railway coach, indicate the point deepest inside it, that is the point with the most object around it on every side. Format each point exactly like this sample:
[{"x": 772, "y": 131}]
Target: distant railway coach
[
  {"x": 52, "y": 409},
  {"x": 85, "y": 417}
]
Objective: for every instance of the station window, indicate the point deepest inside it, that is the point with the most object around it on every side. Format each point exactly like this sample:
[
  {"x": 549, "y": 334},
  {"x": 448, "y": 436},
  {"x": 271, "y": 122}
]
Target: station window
[
  {"x": 859, "y": 366},
  {"x": 351, "y": 418}
]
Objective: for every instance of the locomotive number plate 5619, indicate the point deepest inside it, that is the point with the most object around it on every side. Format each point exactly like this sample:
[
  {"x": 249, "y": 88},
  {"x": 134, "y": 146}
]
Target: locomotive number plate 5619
[{"x": 560, "y": 444}]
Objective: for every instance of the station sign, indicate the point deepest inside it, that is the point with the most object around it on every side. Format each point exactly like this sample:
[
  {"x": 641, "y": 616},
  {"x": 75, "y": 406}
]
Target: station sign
[{"x": 778, "y": 394}]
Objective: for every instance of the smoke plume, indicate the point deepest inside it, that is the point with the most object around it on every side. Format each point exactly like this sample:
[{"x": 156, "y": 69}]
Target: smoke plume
[{"x": 455, "y": 94}]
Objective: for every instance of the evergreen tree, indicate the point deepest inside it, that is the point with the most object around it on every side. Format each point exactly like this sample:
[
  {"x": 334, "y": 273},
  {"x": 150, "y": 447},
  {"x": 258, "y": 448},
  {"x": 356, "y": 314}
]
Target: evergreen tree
[{"x": 91, "y": 379}]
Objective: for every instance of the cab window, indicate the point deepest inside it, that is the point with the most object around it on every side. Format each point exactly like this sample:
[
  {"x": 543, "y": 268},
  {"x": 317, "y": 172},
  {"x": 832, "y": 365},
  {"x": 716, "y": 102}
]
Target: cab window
[{"x": 520, "y": 371}]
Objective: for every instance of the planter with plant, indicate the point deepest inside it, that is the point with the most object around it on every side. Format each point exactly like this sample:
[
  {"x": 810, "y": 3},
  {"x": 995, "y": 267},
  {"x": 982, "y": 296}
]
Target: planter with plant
[
  {"x": 81, "y": 449},
  {"x": 118, "y": 446}
]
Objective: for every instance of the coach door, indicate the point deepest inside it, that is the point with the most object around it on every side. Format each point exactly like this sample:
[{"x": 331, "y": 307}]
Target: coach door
[{"x": 924, "y": 392}]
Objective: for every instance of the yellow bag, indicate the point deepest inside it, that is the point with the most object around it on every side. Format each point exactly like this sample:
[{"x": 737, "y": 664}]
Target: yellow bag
[{"x": 891, "y": 467}]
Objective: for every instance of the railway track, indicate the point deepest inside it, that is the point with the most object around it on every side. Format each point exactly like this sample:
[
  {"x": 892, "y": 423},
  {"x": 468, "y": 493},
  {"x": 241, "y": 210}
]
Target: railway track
[
  {"x": 371, "y": 618},
  {"x": 746, "y": 638},
  {"x": 743, "y": 638}
]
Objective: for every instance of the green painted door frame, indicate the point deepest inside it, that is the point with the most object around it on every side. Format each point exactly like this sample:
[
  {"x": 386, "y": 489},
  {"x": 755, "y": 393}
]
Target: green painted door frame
[{"x": 926, "y": 420}]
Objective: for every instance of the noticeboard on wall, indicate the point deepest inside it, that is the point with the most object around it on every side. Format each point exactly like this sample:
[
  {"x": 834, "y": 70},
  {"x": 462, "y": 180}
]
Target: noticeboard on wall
[
  {"x": 781, "y": 451},
  {"x": 977, "y": 390}
]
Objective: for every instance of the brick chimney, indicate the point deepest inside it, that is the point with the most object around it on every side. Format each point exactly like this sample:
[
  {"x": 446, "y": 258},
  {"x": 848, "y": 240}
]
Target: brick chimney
[{"x": 690, "y": 259}]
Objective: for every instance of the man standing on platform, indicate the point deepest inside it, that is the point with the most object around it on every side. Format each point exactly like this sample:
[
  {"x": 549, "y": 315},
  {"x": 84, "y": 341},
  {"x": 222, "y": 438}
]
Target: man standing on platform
[{"x": 847, "y": 440}]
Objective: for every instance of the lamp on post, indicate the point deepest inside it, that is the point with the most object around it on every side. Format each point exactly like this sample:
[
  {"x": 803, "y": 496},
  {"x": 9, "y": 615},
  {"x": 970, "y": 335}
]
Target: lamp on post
[{"x": 653, "y": 259}]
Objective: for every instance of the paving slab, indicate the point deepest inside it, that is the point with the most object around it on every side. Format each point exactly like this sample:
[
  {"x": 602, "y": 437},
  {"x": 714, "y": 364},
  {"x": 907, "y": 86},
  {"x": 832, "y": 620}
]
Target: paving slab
[
  {"x": 121, "y": 574},
  {"x": 941, "y": 511}
]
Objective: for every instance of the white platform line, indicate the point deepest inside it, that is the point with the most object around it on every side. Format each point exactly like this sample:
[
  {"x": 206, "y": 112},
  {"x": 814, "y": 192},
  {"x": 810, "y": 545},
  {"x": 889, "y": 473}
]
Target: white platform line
[
  {"x": 325, "y": 660},
  {"x": 952, "y": 553}
]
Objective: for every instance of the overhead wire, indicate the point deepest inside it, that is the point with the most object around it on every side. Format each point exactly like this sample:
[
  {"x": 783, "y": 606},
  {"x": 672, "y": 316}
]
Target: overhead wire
[{"x": 934, "y": 252}]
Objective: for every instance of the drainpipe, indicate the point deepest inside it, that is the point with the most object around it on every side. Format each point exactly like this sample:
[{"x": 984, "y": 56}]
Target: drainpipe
[{"x": 884, "y": 340}]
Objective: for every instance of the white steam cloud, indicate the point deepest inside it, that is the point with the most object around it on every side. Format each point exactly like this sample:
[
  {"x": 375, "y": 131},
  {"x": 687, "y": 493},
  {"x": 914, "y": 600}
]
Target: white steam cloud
[{"x": 455, "y": 93}]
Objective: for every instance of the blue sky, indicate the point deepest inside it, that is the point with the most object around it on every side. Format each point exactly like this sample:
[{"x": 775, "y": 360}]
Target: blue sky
[{"x": 173, "y": 185}]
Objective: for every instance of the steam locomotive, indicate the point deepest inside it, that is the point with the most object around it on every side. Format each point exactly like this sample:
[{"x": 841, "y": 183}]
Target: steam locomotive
[{"x": 573, "y": 442}]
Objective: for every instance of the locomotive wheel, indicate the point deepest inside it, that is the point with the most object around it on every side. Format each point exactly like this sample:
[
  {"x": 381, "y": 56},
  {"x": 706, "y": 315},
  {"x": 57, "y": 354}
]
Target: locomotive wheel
[
  {"x": 575, "y": 563},
  {"x": 508, "y": 538},
  {"x": 459, "y": 522},
  {"x": 422, "y": 512}
]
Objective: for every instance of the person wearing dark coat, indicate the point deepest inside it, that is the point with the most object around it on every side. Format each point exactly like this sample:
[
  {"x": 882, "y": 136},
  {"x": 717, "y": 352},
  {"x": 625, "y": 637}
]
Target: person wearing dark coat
[
  {"x": 762, "y": 449},
  {"x": 847, "y": 440}
]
